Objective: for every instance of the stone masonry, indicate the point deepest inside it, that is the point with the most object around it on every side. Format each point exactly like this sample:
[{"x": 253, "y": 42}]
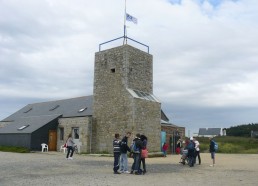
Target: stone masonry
[{"x": 115, "y": 109}]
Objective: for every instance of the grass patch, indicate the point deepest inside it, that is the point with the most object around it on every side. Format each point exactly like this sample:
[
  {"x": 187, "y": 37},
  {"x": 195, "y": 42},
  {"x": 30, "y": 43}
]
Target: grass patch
[
  {"x": 14, "y": 149},
  {"x": 231, "y": 144}
]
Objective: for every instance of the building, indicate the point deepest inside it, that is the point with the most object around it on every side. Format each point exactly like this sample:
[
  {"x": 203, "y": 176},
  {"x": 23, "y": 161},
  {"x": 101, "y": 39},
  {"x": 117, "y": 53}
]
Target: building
[
  {"x": 122, "y": 101},
  {"x": 211, "y": 132}
]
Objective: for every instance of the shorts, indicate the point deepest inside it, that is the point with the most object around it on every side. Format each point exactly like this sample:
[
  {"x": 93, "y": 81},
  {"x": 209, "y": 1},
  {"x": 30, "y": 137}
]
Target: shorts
[{"x": 212, "y": 155}]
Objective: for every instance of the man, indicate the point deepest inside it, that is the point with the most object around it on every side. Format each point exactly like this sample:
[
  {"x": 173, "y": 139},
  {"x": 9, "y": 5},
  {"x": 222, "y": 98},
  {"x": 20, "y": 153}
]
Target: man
[
  {"x": 116, "y": 149},
  {"x": 124, "y": 148},
  {"x": 136, "y": 148},
  {"x": 212, "y": 151},
  {"x": 197, "y": 151},
  {"x": 191, "y": 152}
]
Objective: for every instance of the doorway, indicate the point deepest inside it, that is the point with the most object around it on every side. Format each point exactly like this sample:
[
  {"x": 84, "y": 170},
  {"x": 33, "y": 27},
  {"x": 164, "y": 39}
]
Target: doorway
[{"x": 52, "y": 140}]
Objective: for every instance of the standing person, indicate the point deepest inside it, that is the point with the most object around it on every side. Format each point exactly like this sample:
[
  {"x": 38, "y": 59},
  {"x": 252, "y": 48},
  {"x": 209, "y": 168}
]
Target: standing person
[
  {"x": 178, "y": 146},
  {"x": 124, "y": 148},
  {"x": 136, "y": 149},
  {"x": 197, "y": 151},
  {"x": 191, "y": 152},
  {"x": 143, "y": 156},
  {"x": 116, "y": 148},
  {"x": 164, "y": 149},
  {"x": 212, "y": 151},
  {"x": 70, "y": 144}
]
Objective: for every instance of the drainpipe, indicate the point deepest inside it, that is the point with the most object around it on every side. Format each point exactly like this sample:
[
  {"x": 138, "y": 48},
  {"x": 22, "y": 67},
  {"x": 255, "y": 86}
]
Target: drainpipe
[{"x": 90, "y": 133}]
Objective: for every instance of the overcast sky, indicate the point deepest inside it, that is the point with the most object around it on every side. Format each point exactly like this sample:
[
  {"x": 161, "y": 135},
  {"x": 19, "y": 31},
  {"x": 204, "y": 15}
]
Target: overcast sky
[{"x": 205, "y": 54}]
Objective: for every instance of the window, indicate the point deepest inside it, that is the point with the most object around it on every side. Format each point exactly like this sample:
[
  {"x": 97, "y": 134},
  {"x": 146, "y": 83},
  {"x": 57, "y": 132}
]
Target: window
[
  {"x": 81, "y": 110},
  {"x": 113, "y": 70},
  {"x": 55, "y": 107},
  {"x": 145, "y": 95},
  {"x": 75, "y": 133},
  {"x": 23, "y": 127},
  {"x": 26, "y": 111},
  {"x": 61, "y": 133}
]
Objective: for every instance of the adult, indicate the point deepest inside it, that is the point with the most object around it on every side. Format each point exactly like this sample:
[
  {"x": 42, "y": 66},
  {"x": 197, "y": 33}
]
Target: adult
[
  {"x": 143, "y": 156},
  {"x": 178, "y": 146},
  {"x": 191, "y": 152},
  {"x": 212, "y": 151},
  {"x": 197, "y": 151},
  {"x": 70, "y": 147},
  {"x": 136, "y": 148},
  {"x": 116, "y": 150},
  {"x": 124, "y": 149}
]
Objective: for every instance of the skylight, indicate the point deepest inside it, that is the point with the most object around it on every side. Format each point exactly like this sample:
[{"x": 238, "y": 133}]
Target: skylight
[
  {"x": 83, "y": 109},
  {"x": 145, "y": 95},
  {"x": 55, "y": 107},
  {"x": 26, "y": 111},
  {"x": 23, "y": 127},
  {"x": 142, "y": 95}
]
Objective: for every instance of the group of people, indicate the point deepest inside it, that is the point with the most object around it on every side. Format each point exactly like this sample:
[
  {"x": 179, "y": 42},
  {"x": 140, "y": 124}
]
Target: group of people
[
  {"x": 137, "y": 150},
  {"x": 192, "y": 151}
]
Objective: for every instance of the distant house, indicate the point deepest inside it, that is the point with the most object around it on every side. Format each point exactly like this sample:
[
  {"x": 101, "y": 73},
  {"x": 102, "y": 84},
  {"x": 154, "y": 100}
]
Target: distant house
[
  {"x": 254, "y": 134},
  {"x": 211, "y": 132}
]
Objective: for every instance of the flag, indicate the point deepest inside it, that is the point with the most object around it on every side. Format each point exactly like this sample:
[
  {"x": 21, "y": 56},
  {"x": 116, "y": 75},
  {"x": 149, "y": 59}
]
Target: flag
[{"x": 131, "y": 18}]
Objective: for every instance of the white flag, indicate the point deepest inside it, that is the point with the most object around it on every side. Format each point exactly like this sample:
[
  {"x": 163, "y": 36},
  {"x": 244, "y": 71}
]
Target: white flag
[{"x": 131, "y": 18}]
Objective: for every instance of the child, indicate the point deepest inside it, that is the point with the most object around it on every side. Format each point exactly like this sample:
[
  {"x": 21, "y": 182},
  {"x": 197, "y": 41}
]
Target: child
[{"x": 164, "y": 148}]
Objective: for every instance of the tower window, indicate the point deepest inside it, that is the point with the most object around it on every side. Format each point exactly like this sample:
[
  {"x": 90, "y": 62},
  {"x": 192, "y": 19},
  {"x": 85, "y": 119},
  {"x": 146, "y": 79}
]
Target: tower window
[{"x": 113, "y": 70}]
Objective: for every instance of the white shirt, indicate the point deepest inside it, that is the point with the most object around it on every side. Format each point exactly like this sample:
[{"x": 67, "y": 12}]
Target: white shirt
[{"x": 197, "y": 144}]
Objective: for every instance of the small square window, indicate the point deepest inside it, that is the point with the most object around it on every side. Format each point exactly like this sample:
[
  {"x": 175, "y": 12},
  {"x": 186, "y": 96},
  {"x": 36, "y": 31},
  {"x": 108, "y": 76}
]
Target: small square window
[{"x": 113, "y": 70}]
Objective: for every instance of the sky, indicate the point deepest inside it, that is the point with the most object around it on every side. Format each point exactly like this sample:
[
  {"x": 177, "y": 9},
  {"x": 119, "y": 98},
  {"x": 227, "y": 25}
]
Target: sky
[{"x": 205, "y": 54}]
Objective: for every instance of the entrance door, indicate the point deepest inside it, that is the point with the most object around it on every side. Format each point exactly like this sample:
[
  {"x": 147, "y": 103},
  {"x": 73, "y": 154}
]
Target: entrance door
[
  {"x": 76, "y": 137},
  {"x": 163, "y": 139},
  {"x": 52, "y": 140}
]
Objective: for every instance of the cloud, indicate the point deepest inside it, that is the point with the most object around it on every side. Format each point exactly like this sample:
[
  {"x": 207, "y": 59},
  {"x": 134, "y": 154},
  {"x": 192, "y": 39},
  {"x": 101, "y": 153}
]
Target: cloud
[{"x": 205, "y": 53}]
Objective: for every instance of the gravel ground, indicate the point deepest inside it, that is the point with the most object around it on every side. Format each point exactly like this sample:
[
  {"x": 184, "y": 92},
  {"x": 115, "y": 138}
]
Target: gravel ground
[{"x": 51, "y": 168}]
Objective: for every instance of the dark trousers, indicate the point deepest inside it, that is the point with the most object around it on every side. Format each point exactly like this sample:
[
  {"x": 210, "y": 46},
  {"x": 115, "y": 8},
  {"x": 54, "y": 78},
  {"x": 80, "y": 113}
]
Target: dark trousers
[
  {"x": 198, "y": 155},
  {"x": 143, "y": 164},
  {"x": 116, "y": 161},
  {"x": 69, "y": 149},
  {"x": 136, "y": 161}
]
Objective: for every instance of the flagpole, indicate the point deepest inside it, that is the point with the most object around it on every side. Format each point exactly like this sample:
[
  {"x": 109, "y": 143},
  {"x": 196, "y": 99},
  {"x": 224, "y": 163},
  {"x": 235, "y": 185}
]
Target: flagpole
[{"x": 125, "y": 34}]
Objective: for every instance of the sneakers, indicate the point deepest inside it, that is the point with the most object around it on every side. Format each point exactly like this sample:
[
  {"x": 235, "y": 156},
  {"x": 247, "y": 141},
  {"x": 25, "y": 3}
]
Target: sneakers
[
  {"x": 70, "y": 158},
  {"x": 137, "y": 173},
  {"x": 212, "y": 165},
  {"x": 126, "y": 172}
]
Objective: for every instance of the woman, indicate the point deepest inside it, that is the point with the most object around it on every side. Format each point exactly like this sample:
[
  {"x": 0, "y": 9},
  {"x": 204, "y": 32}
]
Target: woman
[
  {"x": 70, "y": 144},
  {"x": 144, "y": 141}
]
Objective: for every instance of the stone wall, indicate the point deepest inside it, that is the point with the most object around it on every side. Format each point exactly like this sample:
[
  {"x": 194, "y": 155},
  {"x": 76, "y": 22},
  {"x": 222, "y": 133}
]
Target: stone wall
[
  {"x": 84, "y": 124},
  {"x": 115, "y": 110}
]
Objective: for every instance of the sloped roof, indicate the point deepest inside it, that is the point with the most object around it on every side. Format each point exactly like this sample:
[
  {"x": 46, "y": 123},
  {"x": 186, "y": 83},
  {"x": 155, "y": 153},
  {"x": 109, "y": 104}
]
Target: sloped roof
[
  {"x": 66, "y": 108},
  {"x": 209, "y": 131},
  {"x": 33, "y": 123}
]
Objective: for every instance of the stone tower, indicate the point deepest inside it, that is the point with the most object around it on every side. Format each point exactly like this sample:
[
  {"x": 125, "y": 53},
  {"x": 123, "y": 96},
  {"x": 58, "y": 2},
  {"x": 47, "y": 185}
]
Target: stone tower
[{"x": 123, "y": 98}]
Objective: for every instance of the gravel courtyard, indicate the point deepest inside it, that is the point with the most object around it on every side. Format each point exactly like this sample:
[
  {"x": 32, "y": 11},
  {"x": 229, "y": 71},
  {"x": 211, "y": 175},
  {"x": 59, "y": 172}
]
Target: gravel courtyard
[{"x": 51, "y": 168}]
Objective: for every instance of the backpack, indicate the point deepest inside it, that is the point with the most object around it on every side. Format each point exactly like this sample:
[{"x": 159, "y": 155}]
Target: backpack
[
  {"x": 216, "y": 146},
  {"x": 191, "y": 146},
  {"x": 134, "y": 148}
]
